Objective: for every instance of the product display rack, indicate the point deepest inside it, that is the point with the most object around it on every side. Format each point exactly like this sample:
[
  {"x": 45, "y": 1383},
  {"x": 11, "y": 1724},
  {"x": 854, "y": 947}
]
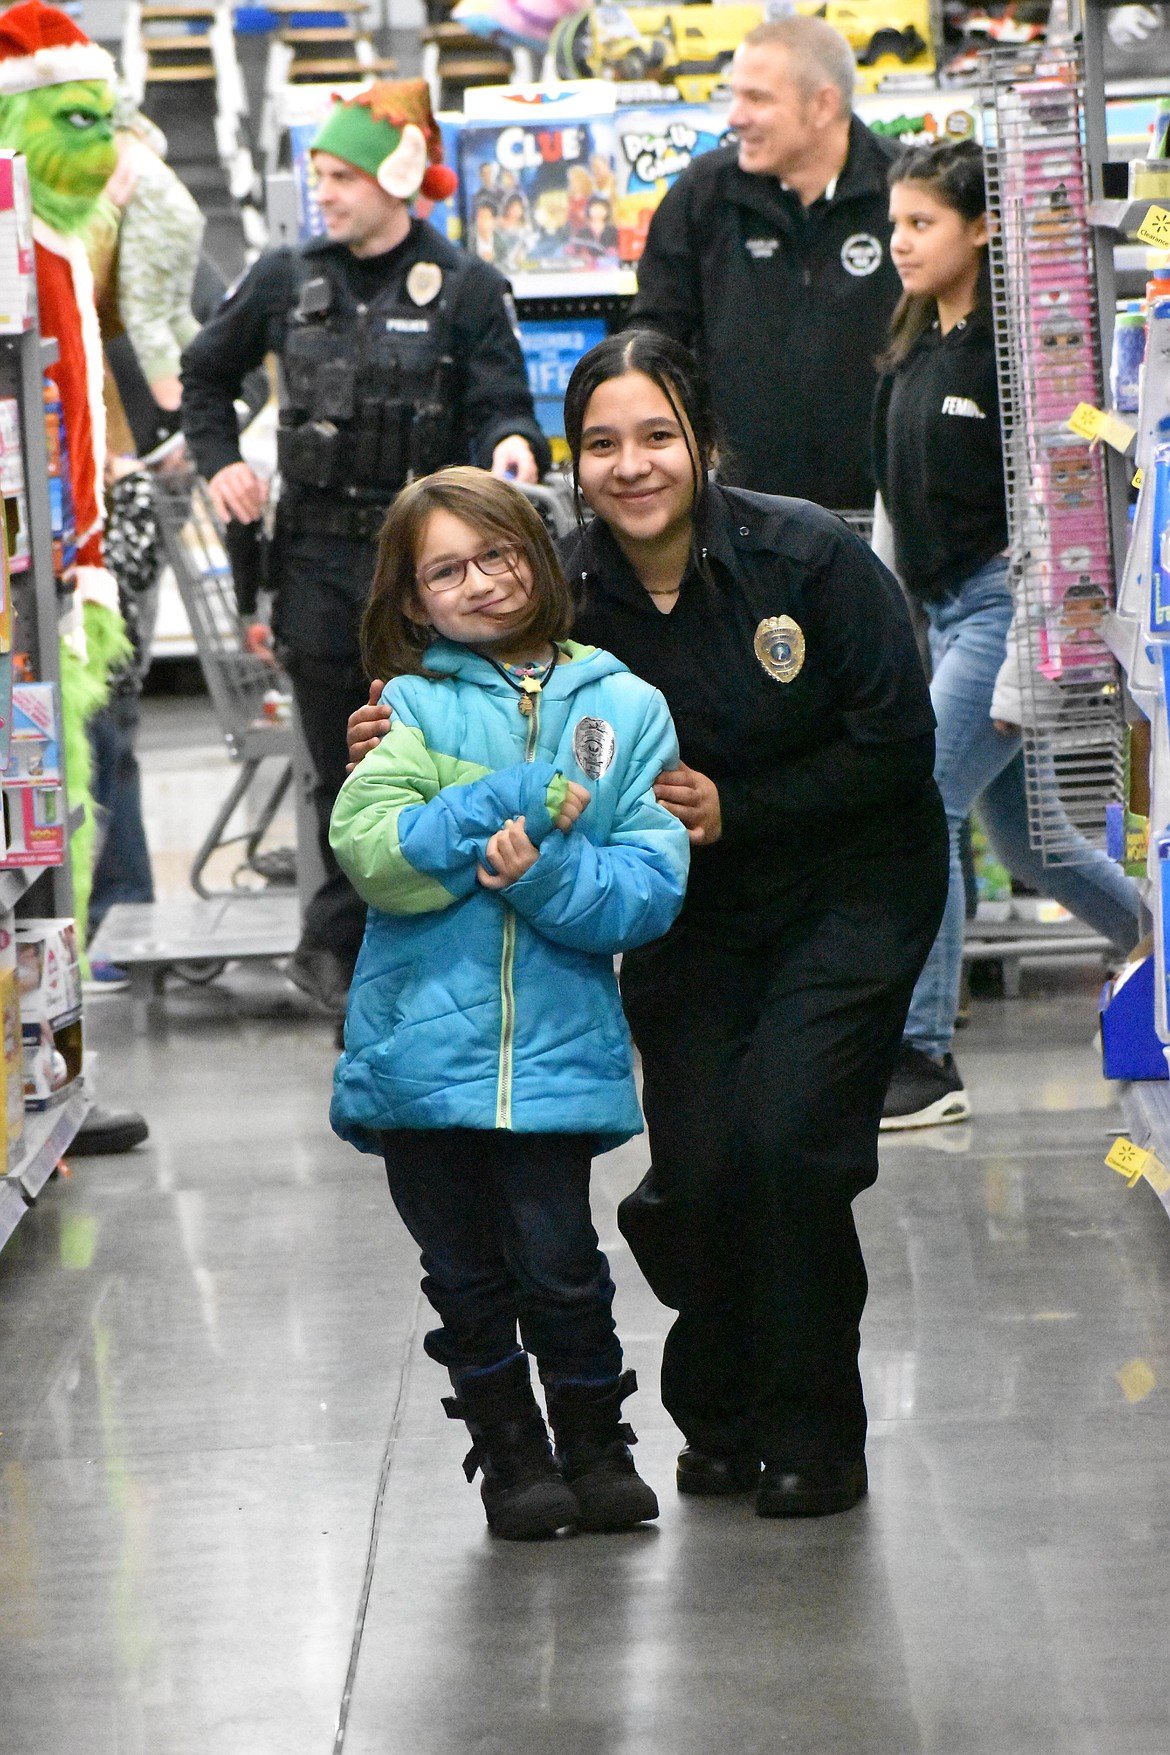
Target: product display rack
[
  {"x": 1047, "y": 295},
  {"x": 49, "y": 890}
]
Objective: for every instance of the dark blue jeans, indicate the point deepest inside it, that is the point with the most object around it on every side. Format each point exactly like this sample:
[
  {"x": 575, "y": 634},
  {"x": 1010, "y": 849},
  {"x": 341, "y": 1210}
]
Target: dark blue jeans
[
  {"x": 507, "y": 1240},
  {"x": 122, "y": 870}
]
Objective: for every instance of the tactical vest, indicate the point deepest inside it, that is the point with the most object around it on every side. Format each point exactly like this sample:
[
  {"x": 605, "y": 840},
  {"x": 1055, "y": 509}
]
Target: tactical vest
[{"x": 368, "y": 389}]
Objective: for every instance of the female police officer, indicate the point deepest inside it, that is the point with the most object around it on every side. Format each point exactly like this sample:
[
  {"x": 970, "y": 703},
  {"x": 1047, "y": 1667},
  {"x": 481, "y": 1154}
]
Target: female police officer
[{"x": 769, "y": 1017}]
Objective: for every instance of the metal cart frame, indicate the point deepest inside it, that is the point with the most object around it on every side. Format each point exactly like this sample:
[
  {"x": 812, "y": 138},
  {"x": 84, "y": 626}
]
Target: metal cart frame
[{"x": 237, "y": 680}]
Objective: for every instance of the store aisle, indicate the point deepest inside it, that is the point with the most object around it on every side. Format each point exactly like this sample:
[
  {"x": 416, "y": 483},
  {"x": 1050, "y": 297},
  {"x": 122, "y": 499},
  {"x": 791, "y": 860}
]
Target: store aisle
[{"x": 203, "y": 1348}]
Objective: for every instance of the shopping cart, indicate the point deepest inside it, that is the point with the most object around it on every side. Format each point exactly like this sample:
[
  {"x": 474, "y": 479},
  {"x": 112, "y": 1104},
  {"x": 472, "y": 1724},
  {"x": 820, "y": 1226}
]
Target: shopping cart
[{"x": 251, "y": 698}]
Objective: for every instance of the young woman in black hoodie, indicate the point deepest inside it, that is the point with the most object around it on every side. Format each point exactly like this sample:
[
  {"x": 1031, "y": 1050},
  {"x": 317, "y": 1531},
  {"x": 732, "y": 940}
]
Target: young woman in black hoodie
[{"x": 938, "y": 459}]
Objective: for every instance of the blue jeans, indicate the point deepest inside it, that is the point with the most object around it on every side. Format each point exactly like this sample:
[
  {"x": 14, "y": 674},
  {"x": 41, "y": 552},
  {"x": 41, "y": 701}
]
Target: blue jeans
[
  {"x": 122, "y": 870},
  {"x": 507, "y": 1240},
  {"x": 976, "y": 766}
]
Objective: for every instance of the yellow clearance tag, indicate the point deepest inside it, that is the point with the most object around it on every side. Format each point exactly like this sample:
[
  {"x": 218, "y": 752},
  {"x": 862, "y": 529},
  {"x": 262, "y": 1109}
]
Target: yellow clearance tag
[
  {"x": 1155, "y": 229},
  {"x": 1128, "y": 1160},
  {"x": 1093, "y": 423},
  {"x": 1139, "y": 475}
]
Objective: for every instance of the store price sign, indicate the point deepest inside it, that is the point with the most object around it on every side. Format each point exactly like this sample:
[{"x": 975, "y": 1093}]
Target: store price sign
[
  {"x": 1155, "y": 228},
  {"x": 1094, "y": 423}
]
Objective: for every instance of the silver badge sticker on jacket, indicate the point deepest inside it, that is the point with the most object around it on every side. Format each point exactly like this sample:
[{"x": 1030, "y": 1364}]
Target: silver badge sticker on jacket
[
  {"x": 594, "y": 746},
  {"x": 424, "y": 282},
  {"x": 779, "y": 646}
]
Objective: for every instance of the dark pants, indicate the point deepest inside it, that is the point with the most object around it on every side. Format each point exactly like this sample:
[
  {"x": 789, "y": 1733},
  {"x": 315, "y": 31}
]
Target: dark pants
[
  {"x": 507, "y": 1240},
  {"x": 327, "y": 690},
  {"x": 766, "y": 1064},
  {"x": 122, "y": 870}
]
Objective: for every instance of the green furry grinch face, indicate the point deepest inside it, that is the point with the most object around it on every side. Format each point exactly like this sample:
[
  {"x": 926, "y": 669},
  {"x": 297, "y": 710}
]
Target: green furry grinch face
[{"x": 67, "y": 135}]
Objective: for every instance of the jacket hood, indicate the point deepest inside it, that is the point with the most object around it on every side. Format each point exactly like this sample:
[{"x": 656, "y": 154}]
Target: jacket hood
[{"x": 587, "y": 664}]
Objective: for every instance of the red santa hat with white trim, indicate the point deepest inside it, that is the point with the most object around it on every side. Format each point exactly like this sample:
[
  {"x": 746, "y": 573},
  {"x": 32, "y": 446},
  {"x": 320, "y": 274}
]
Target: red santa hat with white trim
[{"x": 40, "y": 45}]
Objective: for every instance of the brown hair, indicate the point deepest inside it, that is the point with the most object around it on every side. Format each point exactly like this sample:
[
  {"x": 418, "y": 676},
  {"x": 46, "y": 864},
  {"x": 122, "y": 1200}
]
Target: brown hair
[
  {"x": 393, "y": 641},
  {"x": 953, "y": 171}
]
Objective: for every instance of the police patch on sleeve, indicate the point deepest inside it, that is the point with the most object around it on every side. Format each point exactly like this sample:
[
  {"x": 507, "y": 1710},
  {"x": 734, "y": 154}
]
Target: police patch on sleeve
[
  {"x": 861, "y": 254},
  {"x": 424, "y": 282},
  {"x": 779, "y": 646},
  {"x": 594, "y": 746}
]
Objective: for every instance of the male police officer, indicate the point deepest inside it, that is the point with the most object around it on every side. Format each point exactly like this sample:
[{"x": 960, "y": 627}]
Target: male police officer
[
  {"x": 771, "y": 260},
  {"x": 397, "y": 355}
]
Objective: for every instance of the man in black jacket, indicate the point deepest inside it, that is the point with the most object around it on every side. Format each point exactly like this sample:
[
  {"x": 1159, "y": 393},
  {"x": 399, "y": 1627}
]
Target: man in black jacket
[
  {"x": 771, "y": 259},
  {"x": 398, "y": 355}
]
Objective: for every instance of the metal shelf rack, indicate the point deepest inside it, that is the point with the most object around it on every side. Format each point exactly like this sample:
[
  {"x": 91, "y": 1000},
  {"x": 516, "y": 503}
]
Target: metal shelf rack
[{"x": 1061, "y": 516}]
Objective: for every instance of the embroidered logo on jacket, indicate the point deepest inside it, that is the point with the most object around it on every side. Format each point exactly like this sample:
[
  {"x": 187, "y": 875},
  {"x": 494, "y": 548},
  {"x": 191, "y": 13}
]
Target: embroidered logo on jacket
[
  {"x": 761, "y": 249},
  {"x": 963, "y": 405},
  {"x": 861, "y": 254}
]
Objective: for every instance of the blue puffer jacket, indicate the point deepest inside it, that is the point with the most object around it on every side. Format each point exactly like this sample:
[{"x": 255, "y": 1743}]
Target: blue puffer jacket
[{"x": 499, "y": 1009}]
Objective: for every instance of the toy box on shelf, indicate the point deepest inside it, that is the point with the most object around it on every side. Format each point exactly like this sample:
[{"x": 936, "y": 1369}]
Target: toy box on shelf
[
  {"x": 11, "y": 1052},
  {"x": 49, "y": 979},
  {"x": 18, "y": 283},
  {"x": 536, "y": 177},
  {"x": 34, "y": 802}
]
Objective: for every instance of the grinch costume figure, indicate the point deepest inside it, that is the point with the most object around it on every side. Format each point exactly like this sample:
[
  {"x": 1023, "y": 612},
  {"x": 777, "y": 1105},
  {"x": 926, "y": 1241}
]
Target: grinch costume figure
[{"x": 56, "y": 107}]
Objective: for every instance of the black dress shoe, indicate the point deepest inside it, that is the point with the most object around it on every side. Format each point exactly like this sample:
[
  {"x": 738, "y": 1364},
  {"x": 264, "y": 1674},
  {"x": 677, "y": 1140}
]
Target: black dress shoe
[
  {"x": 812, "y": 1489},
  {"x": 106, "y": 1132},
  {"x": 700, "y": 1472}
]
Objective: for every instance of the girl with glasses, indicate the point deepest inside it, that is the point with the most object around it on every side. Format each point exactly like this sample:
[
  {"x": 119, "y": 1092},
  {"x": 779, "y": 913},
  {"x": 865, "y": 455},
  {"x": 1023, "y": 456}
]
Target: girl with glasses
[{"x": 507, "y": 841}]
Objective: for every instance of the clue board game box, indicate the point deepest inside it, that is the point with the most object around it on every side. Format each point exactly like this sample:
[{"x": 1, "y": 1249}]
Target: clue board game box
[{"x": 538, "y": 197}]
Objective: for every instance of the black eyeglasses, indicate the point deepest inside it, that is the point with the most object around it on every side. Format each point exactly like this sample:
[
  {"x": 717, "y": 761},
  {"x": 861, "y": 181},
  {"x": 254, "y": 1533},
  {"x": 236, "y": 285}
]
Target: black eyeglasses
[{"x": 448, "y": 575}]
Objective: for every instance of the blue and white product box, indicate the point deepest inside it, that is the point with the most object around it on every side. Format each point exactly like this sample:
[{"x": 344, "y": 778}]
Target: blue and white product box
[
  {"x": 537, "y": 197},
  {"x": 35, "y": 749},
  {"x": 551, "y": 350},
  {"x": 48, "y": 975},
  {"x": 1159, "y": 624}
]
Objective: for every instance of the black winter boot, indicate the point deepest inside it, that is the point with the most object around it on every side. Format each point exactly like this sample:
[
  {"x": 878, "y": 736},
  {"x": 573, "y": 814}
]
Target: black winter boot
[
  {"x": 593, "y": 1449},
  {"x": 522, "y": 1491}
]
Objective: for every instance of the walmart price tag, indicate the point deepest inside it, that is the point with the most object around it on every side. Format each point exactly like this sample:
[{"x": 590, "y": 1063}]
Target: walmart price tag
[
  {"x": 1093, "y": 423},
  {"x": 1128, "y": 1160},
  {"x": 1155, "y": 229}
]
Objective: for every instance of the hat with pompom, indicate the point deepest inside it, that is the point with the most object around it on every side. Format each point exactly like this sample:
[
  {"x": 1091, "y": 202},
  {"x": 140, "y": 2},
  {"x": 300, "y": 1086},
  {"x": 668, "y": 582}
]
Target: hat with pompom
[
  {"x": 40, "y": 45},
  {"x": 390, "y": 133}
]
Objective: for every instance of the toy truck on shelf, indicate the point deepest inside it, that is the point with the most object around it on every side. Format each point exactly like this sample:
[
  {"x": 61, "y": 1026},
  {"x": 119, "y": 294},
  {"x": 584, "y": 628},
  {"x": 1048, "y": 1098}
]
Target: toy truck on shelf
[{"x": 691, "y": 47}]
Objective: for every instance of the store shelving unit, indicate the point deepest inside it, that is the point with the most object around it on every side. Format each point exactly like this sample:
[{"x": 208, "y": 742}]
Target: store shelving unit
[
  {"x": 48, "y": 1133},
  {"x": 1051, "y": 297}
]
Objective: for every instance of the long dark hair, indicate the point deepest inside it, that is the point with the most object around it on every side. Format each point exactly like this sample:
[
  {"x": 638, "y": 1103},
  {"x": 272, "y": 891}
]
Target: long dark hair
[
  {"x": 677, "y": 374},
  {"x": 953, "y": 172},
  {"x": 393, "y": 640}
]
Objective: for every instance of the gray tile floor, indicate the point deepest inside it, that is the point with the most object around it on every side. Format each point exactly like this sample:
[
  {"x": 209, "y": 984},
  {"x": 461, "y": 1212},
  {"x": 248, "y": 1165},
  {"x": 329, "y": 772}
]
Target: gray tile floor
[{"x": 205, "y": 1346}]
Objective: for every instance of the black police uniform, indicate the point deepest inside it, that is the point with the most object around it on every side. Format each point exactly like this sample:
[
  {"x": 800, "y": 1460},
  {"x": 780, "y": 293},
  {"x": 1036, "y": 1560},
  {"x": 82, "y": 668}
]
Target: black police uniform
[
  {"x": 770, "y": 1016},
  {"x": 391, "y": 365},
  {"x": 788, "y": 306}
]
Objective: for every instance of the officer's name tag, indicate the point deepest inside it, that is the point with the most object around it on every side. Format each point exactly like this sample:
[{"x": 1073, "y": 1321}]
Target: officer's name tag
[{"x": 408, "y": 325}]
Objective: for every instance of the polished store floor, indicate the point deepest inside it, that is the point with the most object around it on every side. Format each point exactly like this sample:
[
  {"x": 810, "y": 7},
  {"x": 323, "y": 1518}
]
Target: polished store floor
[{"x": 210, "y": 1362}]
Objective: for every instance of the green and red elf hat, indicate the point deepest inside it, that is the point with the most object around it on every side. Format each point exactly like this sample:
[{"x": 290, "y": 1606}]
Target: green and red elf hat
[
  {"x": 390, "y": 133},
  {"x": 40, "y": 45}
]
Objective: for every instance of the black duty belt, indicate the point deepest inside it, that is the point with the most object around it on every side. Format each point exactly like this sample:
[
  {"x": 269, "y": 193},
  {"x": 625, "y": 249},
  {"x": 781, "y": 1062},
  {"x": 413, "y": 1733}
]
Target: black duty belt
[{"x": 301, "y": 515}]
